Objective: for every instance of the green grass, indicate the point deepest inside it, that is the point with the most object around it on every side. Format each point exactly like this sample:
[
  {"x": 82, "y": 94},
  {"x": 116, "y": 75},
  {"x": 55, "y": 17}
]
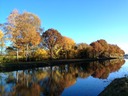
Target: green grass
[{"x": 8, "y": 58}]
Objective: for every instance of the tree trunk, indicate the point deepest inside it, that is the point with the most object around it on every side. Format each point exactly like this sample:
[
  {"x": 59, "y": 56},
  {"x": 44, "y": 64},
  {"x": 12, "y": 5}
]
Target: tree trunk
[
  {"x": 1, "y": 46},
  {"x": 67, "y": 54},
  {"x": 93, "y": 53},
  {"x": 51, "y": 53},
  {"x": 27, "y": 53},
  {"x": 17, "y": 51},
  {"x": 1, "y": 50}
]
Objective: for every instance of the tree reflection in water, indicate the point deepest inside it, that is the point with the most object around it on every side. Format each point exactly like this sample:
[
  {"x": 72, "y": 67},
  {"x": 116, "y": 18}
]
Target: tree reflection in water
[{"x": 51, "y": 81}]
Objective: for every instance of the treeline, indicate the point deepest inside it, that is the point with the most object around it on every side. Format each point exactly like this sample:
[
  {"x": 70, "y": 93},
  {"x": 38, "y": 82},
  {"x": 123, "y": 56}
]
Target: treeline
[{"x": 28, "y": 40}]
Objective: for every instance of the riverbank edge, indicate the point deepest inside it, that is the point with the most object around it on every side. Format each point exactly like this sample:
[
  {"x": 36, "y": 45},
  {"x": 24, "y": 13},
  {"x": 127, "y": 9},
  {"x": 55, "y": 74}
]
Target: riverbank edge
[
  {"x": 44, "y": 63},
  {"x": 118, "y": 87}
]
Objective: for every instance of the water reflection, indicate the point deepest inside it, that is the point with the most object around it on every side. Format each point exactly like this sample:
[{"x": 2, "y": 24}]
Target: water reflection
[{"x": 51, "y": 81}]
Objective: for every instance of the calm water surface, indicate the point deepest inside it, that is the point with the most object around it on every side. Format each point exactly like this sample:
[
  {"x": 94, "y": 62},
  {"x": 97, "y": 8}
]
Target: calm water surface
[{"x": 83, "y": 79}]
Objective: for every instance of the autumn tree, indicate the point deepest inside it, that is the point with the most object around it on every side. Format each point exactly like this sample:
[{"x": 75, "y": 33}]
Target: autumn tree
[
  {"x": 67, "y": 46},
  {"x": 82, "y": 50},
  {"x": 98, "y": 49},
  {"x": 82, "y": 46},
  {"x": 89, "y": 52},
  {"x": 40, "y": 54},
  {"x": 24, "y": 29},
  {"x": 105, "y": 47},
  {"x": 2, "y": 44},
  {"x": 115, "y": 51},
  {"x": 10, "y": 51},
  {"x": 102, "y": 49},
  {"x": 68, "y": 43},
  {"x": 104, "y": 44},
  {"x": 50, "y": 39}
]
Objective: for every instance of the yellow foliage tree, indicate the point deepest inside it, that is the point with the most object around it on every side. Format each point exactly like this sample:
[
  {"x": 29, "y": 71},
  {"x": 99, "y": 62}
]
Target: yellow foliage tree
[
  {"x": 68, "y": 43},
  {"x": 24, "y": 30},
  {"x": 41, "y": 54},
  {"x": 68, "y": 47},
  {"x": 64, "y": 47},
  {"x": 1, "y": 34},
  {"x": 2, "y": 44}
]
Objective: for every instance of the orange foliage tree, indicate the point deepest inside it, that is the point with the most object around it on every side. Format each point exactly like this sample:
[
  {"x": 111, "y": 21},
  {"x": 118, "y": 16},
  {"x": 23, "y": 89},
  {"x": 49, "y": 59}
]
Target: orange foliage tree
[
  {"x": 50, "y": 39},
  {"x": 102, "y": 49},
  {"x": 115, "y": 51},
  {"x": 97, "y": 49},
  {"x": 105, "y": 46}
]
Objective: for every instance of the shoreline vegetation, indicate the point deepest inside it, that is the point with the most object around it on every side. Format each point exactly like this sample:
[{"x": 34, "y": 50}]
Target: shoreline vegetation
[
  {"x": 35, "y": 64},
  {"x": 30, "y": 42}
]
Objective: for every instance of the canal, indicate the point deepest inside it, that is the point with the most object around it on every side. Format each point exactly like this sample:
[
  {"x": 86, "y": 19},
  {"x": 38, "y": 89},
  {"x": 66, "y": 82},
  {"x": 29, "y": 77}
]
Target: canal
[{"x": 75, "y": 79}]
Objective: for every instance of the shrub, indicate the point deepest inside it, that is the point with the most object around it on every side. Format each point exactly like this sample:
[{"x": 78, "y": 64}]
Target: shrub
[{"x": 40, "y": 54}]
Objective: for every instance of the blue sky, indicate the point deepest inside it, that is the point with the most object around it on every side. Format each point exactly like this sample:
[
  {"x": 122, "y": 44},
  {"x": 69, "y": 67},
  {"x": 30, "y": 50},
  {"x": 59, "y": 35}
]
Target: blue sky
[{"x": 82, "y": 20}]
